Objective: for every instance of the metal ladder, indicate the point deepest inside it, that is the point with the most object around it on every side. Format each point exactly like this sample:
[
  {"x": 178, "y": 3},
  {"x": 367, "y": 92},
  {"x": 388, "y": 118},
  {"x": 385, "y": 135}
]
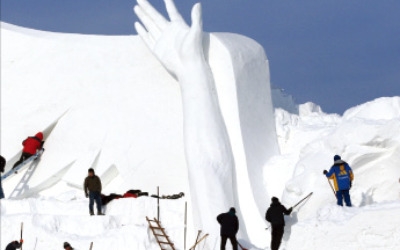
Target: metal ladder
[{"x": 22, "y": 185}]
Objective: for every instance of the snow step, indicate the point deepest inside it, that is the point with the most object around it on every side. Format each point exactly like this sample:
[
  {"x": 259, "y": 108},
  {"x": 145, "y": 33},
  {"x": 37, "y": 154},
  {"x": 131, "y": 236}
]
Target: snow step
[{"x": 163, "y": 238}]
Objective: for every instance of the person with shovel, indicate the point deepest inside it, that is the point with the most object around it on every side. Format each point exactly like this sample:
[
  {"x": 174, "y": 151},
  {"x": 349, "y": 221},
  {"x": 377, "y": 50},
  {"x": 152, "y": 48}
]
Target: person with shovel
[
  {"x": 342, "y": 177},
  {"x": 229, "y": 227},
  {"x": 67, "y": 246},
  {"x": 274, "y": 215},
  {"x": 15, "y": 245}
]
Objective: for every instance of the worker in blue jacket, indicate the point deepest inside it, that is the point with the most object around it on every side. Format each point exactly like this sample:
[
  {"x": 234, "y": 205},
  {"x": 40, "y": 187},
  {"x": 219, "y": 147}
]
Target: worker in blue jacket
[{"x": 342, "y": 177}]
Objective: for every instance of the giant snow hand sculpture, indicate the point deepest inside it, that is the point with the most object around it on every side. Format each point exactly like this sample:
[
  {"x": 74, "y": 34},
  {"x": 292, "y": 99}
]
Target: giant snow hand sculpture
[
  {"x": 207, "y": 148},
  {"x": 173, "y": 42}
]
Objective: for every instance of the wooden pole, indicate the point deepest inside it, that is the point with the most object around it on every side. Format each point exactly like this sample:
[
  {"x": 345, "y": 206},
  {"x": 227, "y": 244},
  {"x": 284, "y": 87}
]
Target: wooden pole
[
  {"x": 91, "y": 245},
  {"x": 302, "y": 200},
  {"x": 198, "y": 240},
  {"x": 330, "y": 184},
  {"x": 158, "y": 203},
  {"x": 241, "y": 247},
  {"x": 185, "y": 230},
  {"x": 22, "y": 228},
  {"x": 35, "y": 244}
]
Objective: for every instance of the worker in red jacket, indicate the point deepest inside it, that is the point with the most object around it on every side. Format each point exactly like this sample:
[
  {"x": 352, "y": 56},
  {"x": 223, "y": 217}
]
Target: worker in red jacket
[{"x": 31, "y": 145}]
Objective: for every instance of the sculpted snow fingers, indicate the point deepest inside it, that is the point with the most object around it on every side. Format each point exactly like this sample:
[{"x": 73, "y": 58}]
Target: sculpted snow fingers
[{"x": 173, "y": 42}]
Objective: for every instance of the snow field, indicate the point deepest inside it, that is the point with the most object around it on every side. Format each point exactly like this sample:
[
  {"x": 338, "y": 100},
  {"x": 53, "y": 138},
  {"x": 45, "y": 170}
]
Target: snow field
[
  {"x": 52, "y": 222},
  {"x": 106, "y": 103},
  {"x": 369, "y": 227}
]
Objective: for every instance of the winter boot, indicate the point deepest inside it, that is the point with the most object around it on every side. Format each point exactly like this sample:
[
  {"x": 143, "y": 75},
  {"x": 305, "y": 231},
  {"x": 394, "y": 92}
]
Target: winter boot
[
  {"x": 100, "y": 213},
  {"x": 91, "y": 212}
]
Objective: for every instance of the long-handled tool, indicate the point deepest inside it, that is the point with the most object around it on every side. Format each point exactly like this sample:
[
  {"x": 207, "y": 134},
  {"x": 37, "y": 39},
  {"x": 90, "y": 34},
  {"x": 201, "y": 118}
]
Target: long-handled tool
[
  {"x": 298, "y": 203},
  {"x": 333, "y": 190},
  {"x": 243, "y": 248},
  {"x": 198, "y": 241},
  {"x": 35, "y": 244},
  {"x": 22, "y": 228}
]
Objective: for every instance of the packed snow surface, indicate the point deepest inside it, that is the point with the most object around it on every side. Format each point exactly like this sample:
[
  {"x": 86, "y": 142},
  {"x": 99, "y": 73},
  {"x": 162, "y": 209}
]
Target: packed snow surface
[{"x": 105, "y": 102}]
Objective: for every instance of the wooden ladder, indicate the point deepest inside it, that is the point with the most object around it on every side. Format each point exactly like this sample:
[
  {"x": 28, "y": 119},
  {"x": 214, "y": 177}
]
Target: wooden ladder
[{"x": 159, "y": 233}]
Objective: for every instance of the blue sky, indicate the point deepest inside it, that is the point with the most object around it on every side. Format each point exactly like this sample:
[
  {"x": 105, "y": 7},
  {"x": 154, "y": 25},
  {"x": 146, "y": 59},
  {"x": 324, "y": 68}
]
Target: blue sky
[{"x": 336, "y": 53}]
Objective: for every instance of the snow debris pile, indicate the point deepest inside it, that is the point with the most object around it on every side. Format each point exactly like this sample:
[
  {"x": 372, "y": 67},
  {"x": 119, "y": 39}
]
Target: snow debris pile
[{"x": 367, "y": 137}]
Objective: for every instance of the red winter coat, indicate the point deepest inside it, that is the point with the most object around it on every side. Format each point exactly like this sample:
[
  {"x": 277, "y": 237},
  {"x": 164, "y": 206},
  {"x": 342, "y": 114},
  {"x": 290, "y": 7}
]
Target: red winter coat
[
  {"x": 31, "y": 144},
  {"x": 129, "y": 195}
]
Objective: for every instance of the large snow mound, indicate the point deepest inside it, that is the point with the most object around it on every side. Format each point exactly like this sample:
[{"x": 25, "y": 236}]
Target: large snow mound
[{"x": 367, "y": 138}]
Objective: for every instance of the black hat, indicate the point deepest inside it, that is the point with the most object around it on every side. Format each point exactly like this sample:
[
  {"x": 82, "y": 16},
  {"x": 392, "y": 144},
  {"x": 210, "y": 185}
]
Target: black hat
[
  {"x": 232, "y": 209},
  {"x": 66, "y": 244},
  {"x": 336, "y": 158},
  {"x": 274, "y": 199}
]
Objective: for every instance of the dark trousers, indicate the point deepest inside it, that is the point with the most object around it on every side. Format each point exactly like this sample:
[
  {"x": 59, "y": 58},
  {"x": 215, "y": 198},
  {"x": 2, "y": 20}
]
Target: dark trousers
[
  {"x": 23, "y": 157},
  {"x": 94, "y": 196},
  {"x": 276, "y": 236},
  {"x": 1, "y": 191},
  {"x": 232, "y": 239},
  {"x": 343, "y": 194}
]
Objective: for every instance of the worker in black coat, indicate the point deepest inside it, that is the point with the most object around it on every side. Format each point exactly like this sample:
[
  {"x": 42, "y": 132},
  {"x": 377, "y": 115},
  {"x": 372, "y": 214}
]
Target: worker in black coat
[
  {"x": 274, "y": 215},
  {"x": 14, "y": 245},
  {"x": 2, "y": 166},
  {"x": 229, "y": 227}
]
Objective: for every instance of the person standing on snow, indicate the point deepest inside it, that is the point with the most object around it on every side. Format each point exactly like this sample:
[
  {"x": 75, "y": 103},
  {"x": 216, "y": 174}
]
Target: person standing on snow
[
  {"x": 229, "y": 227},
  {"x": 92, "y": 188},
  {"x": 31, "y": 145},
  {"x": 2, "y": 166},
  {"x": 274, "y": 215},
  {"x": 342, "y": 177},
  {"x": 14, "y": 245},
  {"x": 67, "y": 246}
]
